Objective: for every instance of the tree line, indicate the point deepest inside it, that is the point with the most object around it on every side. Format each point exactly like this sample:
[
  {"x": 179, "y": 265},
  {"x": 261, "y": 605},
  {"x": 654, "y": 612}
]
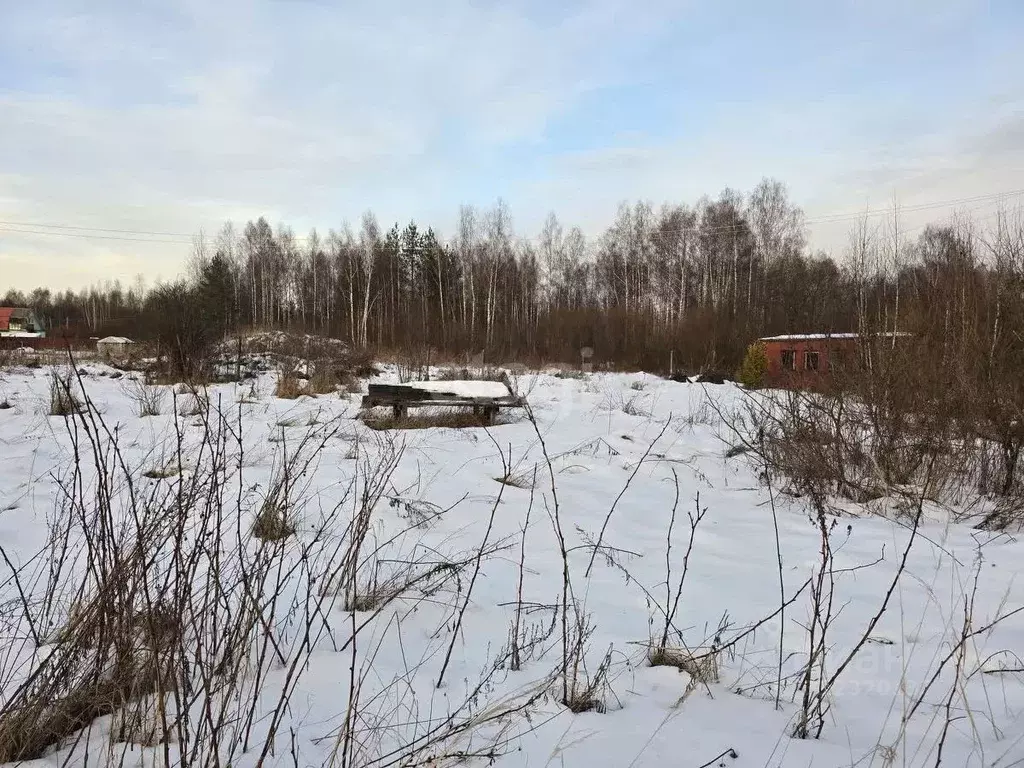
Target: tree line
[{"x": 693, "y": 282}]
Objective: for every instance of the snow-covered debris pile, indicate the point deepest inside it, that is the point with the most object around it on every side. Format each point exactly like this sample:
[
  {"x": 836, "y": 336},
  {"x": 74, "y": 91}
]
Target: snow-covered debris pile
[
  {"x": 284, "y": 343},
  {"x": 262, "y": 351}
]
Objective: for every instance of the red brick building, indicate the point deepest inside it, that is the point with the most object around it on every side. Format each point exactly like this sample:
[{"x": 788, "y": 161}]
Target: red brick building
[{"x": 807, "y": 359}]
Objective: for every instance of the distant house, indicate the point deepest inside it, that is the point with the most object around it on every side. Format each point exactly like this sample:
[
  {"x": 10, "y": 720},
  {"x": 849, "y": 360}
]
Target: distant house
[
  {"x": 20, "y": 322},
  {"x": 807, "y": 359},
  {"x": 114, "y": 346}
]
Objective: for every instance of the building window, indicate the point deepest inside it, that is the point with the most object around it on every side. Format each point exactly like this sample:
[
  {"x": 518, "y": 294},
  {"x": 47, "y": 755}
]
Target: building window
[
  {"x": 810, "y": 361},
  {"x": 789, "y": 359}
]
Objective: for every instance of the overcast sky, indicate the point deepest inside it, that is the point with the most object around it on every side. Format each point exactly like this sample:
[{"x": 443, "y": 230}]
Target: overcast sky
[{"x": 178, "y": 115}]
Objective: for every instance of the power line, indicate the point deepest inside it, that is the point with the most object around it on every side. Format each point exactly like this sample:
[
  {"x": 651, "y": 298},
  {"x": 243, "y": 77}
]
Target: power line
[
  {"x": 91, "y": 229},
  {"x": 91, "y": 237},
  {"x": 184, "y": 238}
]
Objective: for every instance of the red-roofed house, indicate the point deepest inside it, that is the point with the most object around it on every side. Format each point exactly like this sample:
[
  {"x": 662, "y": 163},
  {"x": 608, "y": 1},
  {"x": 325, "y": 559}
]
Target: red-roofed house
[{"x": 20, "y": 322}]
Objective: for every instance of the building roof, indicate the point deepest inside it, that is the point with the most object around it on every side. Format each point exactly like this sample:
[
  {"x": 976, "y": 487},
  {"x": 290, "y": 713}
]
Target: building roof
[
  {"x": 810, "y": 336},
  {"x": 15, "y": 313},
  {"x": 830, "y": 336}
]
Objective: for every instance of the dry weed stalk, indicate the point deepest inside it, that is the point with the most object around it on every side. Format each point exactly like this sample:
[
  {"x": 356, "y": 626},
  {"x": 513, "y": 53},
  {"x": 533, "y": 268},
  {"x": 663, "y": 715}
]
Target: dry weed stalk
[
  {"x": 64, "y": 401},
  {"x": 148, "y": 398},
  {"x": 289, "y": 385},
  {"x": 149, "y": 604}
]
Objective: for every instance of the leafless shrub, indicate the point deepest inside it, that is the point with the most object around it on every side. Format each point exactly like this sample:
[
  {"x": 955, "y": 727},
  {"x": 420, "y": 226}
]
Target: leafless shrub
[
  {"x": 289, "y": 385},
  {"x": 250, "y": 394},
  {"x": 673, "y": 595},
  {"x": 323, "y": 381},
  {"x": 148, "y": 399},
  {"x": 485, "y": 373},
  {"x": 1007, "y": 512},
  {"x": 580, "y": 690},
  {"x": 373, "y": 476},
  {"x": 702, "y": 414},
  {"x": 453, "y": 374},
  {"x": 63, "y": 399},
  {"x": 419, "y": 512},
  {"x": 615, "y": 399},
  {"x": 633, "y": 407},
  {"x": 152, "y": 608},
  {"x": 820, "y": 446},
  {"x": 585, "y": 691},
  {"x": 570, "y": 374},
  {"x": 143, "y": 607},
  {"x": 196, "y": 402},
  {"x": 414, "y": 366},
  {"x": 521, "y": 384},
  {"x": 517, "y": 642},
  {"x": 351, "y": 384}
]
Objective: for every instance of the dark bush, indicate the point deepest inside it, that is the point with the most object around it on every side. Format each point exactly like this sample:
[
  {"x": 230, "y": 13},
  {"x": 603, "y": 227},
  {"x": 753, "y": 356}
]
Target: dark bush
[{"x": 183, "y": 333}]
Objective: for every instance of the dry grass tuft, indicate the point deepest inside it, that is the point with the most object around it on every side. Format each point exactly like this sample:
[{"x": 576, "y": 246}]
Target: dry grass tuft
[
  {"x": 523, "y": 479},
  {"x": 62, "y": 397},
  {"x": 162, "y": 473},
  {"x": 586, "y": 704},
  {"x": 323, "y": 381},
  {"x": 372, "y": 597},
  {"x": 289, "y": 386},
  {"x": 702, "y": 667},
  {"x": 587, "y": 693},
  {"x": 272, "y": 523}
]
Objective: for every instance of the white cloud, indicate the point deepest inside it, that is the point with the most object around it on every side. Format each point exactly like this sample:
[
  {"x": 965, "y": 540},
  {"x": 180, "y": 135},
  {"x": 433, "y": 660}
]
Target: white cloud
[
  {"x": 173, "y": 119},
  {"x": 178, "y": 116}
]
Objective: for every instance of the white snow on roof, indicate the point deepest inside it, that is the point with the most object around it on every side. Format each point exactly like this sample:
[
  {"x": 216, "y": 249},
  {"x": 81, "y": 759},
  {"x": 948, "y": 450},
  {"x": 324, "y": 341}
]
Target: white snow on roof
[
  {"x": 810, "y": 336},
  {"x": 822, "y": 336},
  {"x": 115, "y": 340},
  {"x": 463, "y": 388}
]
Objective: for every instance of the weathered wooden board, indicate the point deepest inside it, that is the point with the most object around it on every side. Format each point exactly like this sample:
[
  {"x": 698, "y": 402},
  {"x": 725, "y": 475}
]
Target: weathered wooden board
[{"x": 400, "y": 397}]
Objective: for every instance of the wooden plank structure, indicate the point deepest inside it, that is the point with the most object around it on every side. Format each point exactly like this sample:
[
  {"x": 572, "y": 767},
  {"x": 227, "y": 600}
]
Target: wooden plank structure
[{"x": 401, "y": 397}]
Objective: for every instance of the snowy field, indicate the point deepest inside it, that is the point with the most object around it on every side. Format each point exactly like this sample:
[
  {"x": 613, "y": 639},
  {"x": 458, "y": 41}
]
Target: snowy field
[{"x": 466, "y": 663}]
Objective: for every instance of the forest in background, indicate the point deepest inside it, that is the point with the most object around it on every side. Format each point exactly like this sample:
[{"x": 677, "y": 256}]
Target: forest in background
[{"x": 695, "y": 282}]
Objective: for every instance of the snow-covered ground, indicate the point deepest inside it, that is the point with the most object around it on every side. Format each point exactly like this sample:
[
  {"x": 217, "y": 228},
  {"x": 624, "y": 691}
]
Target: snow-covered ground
[{"x": 636, "y": 446}]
